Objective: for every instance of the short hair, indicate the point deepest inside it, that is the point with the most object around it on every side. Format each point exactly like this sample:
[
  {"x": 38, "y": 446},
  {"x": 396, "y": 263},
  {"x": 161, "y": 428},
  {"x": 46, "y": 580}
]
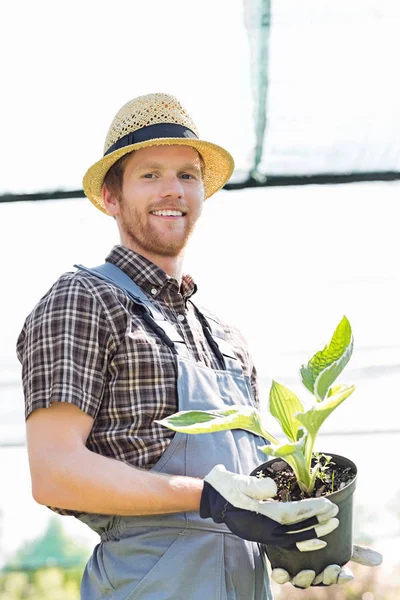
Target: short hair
[{"x": 114, "y": 177}]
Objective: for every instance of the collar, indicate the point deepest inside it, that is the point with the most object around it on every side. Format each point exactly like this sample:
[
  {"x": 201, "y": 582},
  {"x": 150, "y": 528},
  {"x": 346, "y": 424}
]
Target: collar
[{"x": 151, "y": 278}]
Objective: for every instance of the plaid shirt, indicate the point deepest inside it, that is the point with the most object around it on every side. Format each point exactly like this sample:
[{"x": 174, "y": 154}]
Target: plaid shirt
[{"x": 85, "y": 343}]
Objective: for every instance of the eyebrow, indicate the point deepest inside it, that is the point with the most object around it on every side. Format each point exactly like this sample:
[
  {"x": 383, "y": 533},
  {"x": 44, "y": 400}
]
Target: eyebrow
[{"x": 160, "y": 167}]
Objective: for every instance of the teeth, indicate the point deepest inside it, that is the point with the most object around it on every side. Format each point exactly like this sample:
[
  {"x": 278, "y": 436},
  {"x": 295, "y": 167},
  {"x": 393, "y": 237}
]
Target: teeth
[{"x": 167, "y": 213}]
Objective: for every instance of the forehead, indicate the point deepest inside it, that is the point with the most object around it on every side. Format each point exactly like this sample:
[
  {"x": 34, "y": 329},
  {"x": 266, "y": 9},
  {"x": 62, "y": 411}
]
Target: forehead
[{"x": 166, "y": 155}]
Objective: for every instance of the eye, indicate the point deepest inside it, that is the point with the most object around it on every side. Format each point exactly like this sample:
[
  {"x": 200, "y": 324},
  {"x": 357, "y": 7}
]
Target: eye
[
  {"x": 148, "y": 175},
  {"x": 187, "y": 176}
]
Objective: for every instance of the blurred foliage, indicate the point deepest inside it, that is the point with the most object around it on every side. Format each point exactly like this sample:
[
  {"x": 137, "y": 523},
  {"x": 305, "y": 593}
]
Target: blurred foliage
[
  {"x": 54, "y": 549},
  {"x": 51, "y": 566},
  {"x": 47, "y": 568},
  {"x": 51, "y": 583}
]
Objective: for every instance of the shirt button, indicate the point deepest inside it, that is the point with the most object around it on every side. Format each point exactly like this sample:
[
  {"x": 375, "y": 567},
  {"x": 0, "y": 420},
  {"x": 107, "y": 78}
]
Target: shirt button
[
  {"x": 181, "y": 317},
  {"x": 153, "y": 291}
]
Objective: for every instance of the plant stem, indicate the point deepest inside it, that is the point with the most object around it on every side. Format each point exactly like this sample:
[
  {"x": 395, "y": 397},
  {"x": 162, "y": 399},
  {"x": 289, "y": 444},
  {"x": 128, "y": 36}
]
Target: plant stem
[{"x": 308, "y": 454}]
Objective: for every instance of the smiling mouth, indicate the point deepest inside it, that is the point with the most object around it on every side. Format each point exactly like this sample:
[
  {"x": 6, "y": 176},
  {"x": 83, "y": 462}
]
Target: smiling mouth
[{"x": 167, "y": 213}]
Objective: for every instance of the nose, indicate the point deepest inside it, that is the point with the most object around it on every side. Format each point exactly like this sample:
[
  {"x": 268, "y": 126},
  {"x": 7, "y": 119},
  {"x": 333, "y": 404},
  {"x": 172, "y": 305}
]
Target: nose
[{"x": 171, "y": 187}]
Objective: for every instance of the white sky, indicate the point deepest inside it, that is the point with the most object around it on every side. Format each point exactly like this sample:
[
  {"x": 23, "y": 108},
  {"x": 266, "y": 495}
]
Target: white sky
[{"x": 68, "y": 67}]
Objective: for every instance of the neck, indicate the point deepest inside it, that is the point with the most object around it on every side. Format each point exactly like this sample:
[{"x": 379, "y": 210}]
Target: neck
[{"x": 171, "y": 265}]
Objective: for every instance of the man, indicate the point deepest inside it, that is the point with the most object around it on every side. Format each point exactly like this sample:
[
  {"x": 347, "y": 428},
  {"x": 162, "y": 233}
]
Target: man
[{"x": 109, "y": 351}]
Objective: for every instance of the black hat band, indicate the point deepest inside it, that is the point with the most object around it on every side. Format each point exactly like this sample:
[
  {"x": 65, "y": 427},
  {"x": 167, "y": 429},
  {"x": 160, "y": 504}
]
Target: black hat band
[{"x": 151, "y": 132}]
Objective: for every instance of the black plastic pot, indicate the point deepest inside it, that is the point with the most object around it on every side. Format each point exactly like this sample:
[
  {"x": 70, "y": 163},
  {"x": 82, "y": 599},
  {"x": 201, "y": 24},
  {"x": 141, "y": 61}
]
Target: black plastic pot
[{"x": 339, "y": 542}]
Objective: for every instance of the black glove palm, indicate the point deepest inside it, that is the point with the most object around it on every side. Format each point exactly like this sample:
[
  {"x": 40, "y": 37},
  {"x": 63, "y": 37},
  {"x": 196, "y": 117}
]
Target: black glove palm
[{"x": 250, "y": 525}]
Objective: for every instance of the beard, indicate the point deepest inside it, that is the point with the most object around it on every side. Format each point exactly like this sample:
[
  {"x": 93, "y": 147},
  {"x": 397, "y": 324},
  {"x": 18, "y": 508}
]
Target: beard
[{"x": 143, "y": 235}]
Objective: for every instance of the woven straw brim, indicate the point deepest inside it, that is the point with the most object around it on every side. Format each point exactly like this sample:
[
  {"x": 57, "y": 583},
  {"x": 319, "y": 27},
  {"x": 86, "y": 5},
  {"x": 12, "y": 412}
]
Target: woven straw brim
[{"x": 218, "y": 166}]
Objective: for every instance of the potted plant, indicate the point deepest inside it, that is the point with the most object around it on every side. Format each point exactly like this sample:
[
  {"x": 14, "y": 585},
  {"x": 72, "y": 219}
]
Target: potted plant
[{"x": 298, "y": 470}]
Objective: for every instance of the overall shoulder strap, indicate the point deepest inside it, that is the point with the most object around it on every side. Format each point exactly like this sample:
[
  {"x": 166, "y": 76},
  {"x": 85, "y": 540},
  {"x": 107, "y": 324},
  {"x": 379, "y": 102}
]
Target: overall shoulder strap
[
  {"x": 153, "y": 317},
  {"x": 215, "y": 329},
  {"x": 117, "y": 276}
]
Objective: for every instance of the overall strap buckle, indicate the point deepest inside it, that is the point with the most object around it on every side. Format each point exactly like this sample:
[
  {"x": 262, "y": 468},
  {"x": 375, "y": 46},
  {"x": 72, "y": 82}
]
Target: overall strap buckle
[
  {"x": 153, "y": 317},
  {"x": 217, "y": 339}
]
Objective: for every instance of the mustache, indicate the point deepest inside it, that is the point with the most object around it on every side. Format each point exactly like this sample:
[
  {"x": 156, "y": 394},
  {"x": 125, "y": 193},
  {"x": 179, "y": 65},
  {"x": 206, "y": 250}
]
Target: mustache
[{"x": 171, "y": 206}]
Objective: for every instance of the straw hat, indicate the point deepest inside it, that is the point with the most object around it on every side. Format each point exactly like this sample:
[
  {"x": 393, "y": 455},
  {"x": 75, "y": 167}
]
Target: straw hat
[{"x": 156, "y": 120}]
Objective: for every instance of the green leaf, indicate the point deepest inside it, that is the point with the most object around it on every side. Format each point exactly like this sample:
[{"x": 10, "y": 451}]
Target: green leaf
[
  {"x": 235, "y": 417},
  {"x": 327, "y": 364},
  {"x": 293, "y": 454},
  {"x": 314, "y": 418},
  {"x": 283, "y": 450},
  {"x": 283, "y": 405},
  {"x": 338, "y": 389}
]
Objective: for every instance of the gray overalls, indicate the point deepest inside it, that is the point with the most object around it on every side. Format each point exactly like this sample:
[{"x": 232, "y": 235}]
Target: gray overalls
[{"x": 181, "y": 556}]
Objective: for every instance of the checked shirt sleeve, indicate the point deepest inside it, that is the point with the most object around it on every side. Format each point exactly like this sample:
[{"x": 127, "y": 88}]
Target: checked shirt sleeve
[{"x": 64, "y": 349}]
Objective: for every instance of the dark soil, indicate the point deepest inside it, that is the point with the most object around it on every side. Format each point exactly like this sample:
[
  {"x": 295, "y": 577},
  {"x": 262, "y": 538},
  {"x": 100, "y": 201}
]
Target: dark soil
[{"x": 335, "y": 477}]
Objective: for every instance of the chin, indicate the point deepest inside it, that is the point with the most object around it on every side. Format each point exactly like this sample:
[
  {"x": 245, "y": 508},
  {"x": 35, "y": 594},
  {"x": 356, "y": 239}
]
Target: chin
[
  {"x": 170, "y": 252},
  {"x": 170, "y": 249}
]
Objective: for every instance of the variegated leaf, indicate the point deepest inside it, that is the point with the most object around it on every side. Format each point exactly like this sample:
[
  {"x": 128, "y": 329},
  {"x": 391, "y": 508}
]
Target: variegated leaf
[
  {"x": 235, "y": 417},
  {"x": 327, "y": 364}
]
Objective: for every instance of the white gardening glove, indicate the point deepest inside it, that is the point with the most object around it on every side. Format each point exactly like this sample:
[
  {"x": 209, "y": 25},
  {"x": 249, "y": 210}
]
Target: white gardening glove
[
  {"x": 315, "y": 515},
  {"x": 333, "y": 573}
]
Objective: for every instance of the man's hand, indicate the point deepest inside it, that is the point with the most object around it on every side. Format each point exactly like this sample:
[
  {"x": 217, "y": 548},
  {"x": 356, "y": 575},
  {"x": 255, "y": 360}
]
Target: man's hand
[
  {"x": 331, "y": 574},
  {"x": 244, "y": 504}
]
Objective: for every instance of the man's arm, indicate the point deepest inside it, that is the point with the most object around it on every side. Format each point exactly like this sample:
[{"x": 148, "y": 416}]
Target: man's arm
[{"x": 65, "y": 474}]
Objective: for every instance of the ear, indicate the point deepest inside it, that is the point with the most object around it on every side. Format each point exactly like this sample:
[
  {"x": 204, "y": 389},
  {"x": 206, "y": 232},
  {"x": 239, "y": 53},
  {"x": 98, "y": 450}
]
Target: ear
[{"x": 110, "y": 201}]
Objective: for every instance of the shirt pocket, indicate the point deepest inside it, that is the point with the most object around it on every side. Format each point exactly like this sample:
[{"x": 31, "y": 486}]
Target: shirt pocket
[
  {"x": 142, "y": 378},
  {"x": 143, "y": 334}
]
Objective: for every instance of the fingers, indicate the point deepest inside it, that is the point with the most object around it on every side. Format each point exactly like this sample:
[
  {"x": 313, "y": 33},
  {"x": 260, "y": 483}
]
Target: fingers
[
  {"x": 287, "y": 513},
  {"x": 329, "y": 514},
  {"x": 366, "y": 556},
  {"x": 319, "y": 579},
  {"x": 311, "y": 545},
  {"x": 254, "y": 487},
  {"x": 307, "y": 539},
  {"x": 258, "y": 489},
  {"x": 242, "y": 491},
  {"x": 303, "y": 579},
  {"x": 345, "y": 576},
  {"x": 326, "y": 528},
  {"x": 254, "y": 494},
  {"x": 319, "y": 531},
  {"x": 309, "y": 524},
  {"x": 331, "y": 575},
  {"x": 280, "y": 576}
]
